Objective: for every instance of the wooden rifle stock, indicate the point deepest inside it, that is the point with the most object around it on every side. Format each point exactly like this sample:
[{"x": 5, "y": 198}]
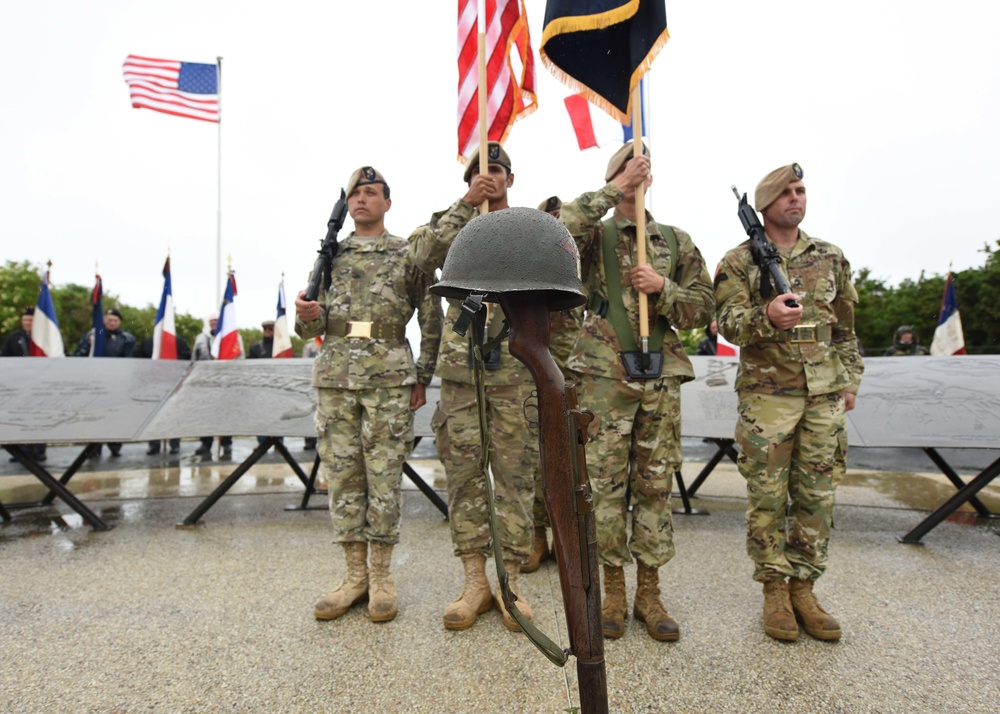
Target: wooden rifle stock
[{"x": 562, "y": 435}]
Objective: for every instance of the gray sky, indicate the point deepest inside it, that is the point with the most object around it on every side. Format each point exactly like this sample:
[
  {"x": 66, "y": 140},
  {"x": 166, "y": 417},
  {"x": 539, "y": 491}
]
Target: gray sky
[{"x": 892, "y": 108}]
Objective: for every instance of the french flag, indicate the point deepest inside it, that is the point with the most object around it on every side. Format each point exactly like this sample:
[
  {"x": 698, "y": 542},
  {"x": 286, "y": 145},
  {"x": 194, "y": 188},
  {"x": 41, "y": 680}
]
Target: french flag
[
  {"x": 594, "y": 128},
  {"x": 45, "y": 338},
  {"x": 97, "y": 344},
  {"x": 227, "y": 343},
  {"x": 281, "y": 345},
  {"x": 164, "y": 332},
  {"x": 948, "y": 337}
]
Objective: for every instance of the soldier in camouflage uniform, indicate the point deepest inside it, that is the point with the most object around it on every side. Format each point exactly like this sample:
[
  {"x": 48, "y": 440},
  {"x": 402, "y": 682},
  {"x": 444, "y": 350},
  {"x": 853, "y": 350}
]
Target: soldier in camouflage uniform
[
  {"x": 368, "y": 388},
  {"x": 514, "y": 455},
  {"x": 799, "y": 373},
  {"x": 636, "y": 435}
]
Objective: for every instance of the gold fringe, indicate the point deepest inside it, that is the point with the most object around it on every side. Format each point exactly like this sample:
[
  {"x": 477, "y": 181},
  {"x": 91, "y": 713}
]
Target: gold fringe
[
  {"x": 597, "y": 21},
  {"x": 598, "y": 100}
]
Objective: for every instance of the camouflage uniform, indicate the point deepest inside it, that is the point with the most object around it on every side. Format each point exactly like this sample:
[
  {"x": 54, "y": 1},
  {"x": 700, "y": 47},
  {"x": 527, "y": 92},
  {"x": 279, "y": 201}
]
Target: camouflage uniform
[
  {"x": 791, "y": 428},
  {"x": 513, "y": 447},
  {"x": 363, "y": 415},
  {"x": 636, "y": 435}
]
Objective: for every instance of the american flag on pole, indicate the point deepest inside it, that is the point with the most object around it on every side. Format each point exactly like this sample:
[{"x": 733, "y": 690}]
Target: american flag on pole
[
  {"x": 948, "y": 337},
  {"x": 510, "y": 71},
  {"x": 184, "y": 89}
]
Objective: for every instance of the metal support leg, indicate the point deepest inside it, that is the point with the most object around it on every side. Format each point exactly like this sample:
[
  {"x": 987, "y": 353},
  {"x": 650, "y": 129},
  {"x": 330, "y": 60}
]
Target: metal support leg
[
  {"x": 220, "y": 491},
  {"x": 687, "y": 510},
  {"x": 60, "y": 490},
  {"x": 952, "y": 504},
  {"x": 725, "y": 449},
  {"x": 948, "y": 471},
  {"x": 310, "y": 490},
  {"x": 73, "y": 468},
  {"x": 426, "y": 489}
]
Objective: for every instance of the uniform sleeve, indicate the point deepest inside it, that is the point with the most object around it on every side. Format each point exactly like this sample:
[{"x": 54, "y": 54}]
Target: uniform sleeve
[
  {"x": 845, "y": 341},
  {"x": 689, "y": 302},
  {"x": 429, "y": 244},
  {"x": 313, "y": 328},
  {"x": 430, "y": 317},
  {"x": 582, "y": 218},
  {"x": 740, "y": 321}
]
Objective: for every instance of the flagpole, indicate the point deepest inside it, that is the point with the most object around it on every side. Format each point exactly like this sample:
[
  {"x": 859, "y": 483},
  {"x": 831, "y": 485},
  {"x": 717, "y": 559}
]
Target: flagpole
[
  {"x": 218, "y": 192},
  {"x": 483, "y": 129},
  {"x": 640, "y": 215}
]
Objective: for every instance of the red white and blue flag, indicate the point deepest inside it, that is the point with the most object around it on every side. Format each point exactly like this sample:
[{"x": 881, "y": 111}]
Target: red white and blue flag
[
  {"x": 595, "y": 128},
  {"x": 227, "y": 343},
  {"x": 184, "y": 89},
  {"x": 948, "y": 337},
  {"x": 281, "y": 344},
  {"x": 164, "y": 332},
  {"x": 99, "y": 340},
  {"x": 510, "y": 70},
  {"x": 45, "y": 338}
]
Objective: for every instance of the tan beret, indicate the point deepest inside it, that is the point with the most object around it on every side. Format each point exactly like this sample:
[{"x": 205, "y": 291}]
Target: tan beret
[
  {"x": 496, "y": 155},
  {"x": 774, "y": 184},
  {"x": 550, "y": 204},
  {"x": 621, "y": 158},
  {"x": 363, "y": 176},
  {"x": 267, "y": 323}
]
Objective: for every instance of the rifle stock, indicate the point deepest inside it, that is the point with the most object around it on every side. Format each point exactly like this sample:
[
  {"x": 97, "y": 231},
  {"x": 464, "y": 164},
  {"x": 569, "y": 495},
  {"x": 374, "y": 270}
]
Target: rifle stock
[
  {"x": 320, "y": 276},
  {"x": 562, "y": 435}
]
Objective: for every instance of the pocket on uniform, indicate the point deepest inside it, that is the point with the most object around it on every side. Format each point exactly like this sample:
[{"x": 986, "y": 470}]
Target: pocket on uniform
[{"x": 401, "y": 425}]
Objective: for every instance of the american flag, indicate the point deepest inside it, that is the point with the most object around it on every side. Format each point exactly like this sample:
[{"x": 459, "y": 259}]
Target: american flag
[
  {"x": 510, "y": 71},
  {"x": 184, "y": 89}
]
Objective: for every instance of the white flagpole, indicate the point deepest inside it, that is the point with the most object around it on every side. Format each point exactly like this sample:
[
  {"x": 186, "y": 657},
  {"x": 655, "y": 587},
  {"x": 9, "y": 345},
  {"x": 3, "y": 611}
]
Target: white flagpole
[
  {"x": 483, "y": 127},
  {"x": 218, "y": 205}
]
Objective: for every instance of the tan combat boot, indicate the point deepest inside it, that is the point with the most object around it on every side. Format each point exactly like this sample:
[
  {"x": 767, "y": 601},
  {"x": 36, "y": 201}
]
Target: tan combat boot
[
  {"x": 815, "y": 620},
  {"x": 649, "y": 609},
  {"x": 614, "y": 607},
  {"x": 382, "y": 598},
  {"x": 779, "y": 620},
  {"x": 476, "y": 597},
  {"x": 539, "y": 551},
  {"x": 354, "y": 587},
  {"x": 513, "y": 580}
]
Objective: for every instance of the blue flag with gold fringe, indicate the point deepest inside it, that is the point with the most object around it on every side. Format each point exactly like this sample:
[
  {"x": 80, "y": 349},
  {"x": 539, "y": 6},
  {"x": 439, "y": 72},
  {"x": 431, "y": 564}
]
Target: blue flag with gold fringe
[{"x": 602, "y": 48}]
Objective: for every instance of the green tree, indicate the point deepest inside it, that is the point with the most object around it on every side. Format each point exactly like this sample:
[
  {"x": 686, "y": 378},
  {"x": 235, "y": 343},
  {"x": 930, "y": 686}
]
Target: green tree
[{"x": 19, "y": 286}]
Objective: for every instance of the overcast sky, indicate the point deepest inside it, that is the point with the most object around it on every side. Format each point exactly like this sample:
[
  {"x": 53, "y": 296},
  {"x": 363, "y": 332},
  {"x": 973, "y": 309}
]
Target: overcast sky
[{"x": 892, "y": 109}]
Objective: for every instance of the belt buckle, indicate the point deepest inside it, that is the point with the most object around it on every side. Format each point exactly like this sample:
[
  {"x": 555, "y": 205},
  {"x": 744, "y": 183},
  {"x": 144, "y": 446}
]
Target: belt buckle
[
  {"x": 359, "y": 329},
  {"x": 803, "y": 333}
]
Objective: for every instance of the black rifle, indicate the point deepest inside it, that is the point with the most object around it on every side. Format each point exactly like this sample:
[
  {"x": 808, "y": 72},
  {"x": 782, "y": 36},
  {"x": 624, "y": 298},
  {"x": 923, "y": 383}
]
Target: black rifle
[
  {"x": 327, "y": 250},
  {"x": 765, "y": 255}
]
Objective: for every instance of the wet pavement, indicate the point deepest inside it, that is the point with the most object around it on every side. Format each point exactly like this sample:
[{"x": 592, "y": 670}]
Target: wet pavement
[{"x": 148, "y": 617}]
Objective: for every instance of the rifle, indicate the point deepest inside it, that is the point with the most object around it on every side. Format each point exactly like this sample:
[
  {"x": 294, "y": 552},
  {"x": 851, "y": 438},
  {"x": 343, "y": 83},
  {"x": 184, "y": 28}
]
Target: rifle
[
  {"x": 562, "y": 435},
  {"x": 327, "y": 250},
  {"x": 765, "y": 255}
]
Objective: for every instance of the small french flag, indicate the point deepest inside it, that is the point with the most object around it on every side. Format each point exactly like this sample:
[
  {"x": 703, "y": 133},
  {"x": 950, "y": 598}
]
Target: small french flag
[{"x": 594, "y": 128}]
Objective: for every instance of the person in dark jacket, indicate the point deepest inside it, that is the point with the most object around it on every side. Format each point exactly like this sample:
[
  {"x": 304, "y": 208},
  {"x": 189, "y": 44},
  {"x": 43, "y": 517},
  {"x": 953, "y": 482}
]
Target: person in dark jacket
[
  {"x": 117, "y": 343},
  {"x": 18, "y": 344},
  {"x": 906, "y": 344},
  {"x": 709, "y": 345},
  {"x": 262, "y": 349}
]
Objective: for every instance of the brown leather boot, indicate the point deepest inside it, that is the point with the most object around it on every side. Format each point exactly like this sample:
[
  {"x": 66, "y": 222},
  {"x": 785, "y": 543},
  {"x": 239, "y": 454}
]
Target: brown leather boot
[
  {"x": 476, "y": 597},
  {"x": 383, "y": 602},
  {"x": 815, "y": 620},
  {"x": 648, "y": 608},
  {"x": 354, "y": 587},
  {"x": 779, "y": 620},
  {"x": 513, "y": 580},
  {"x": 539, "y": 551},
  {"x": 614, "y": 607}
]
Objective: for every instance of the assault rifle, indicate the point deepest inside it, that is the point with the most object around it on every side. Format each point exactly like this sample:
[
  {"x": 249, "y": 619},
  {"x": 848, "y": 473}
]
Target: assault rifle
[
  {"x": 327, "y": 250},
  {"x": 765, "y": 255},
  {"x": 568, "y": 498}
]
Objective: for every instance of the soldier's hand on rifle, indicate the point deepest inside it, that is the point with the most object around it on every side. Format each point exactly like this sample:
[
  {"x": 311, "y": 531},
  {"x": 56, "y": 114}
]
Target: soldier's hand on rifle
[
  {"x": 636, "y": 171},
  {"x": 481, "y": 188},
  {"x": 306, "y": 311},
  {"x": 647, "y": 280},
  {"x": 782, "y": 316}
]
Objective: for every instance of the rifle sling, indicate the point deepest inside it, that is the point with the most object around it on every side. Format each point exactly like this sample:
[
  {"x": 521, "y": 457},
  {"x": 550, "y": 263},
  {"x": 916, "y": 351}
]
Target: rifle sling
[
  {"x": 550, "y": 649},
  {"x": 616, "y": 313}
]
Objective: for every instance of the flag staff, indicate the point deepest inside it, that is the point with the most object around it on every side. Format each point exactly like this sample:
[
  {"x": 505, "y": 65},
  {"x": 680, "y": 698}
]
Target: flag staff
[
  {"x": 640, "y": 216},
  {"x": 218, "y": 193},
  {"x": 483, "y": 129}
]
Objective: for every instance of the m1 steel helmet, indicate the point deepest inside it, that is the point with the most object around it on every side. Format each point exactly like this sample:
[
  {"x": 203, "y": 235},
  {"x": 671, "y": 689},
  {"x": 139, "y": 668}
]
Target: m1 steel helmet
[{"x": 513, "y": 250}]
